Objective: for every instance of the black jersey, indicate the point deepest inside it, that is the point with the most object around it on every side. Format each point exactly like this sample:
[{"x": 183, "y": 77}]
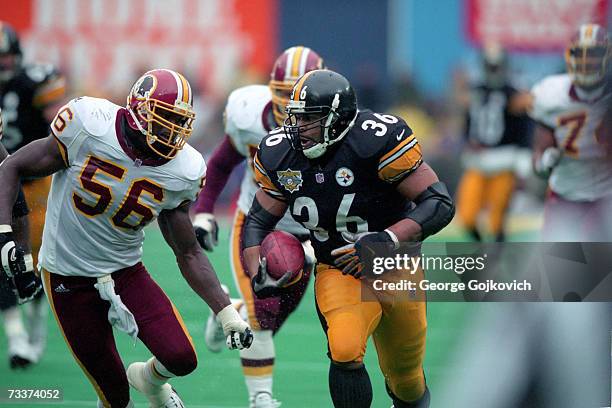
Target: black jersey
[
  {"x": 352, "y": 188},
  {"x": 490, "y": 123},
  {"x": 23, "y": 99}
]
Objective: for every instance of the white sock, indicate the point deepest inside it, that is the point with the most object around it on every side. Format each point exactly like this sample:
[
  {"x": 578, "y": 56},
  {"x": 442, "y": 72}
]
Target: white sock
[
  {"x": 155, "y": 373},
  {"x": 13, "y": 323},
  {"x": 259, "y": 379}
]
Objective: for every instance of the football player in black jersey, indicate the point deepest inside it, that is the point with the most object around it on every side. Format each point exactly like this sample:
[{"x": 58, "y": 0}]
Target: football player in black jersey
[
  {"x": 497, "y": 127},
  {"x": 29, "y": 96},
  {"x": 355, "y": 179}
]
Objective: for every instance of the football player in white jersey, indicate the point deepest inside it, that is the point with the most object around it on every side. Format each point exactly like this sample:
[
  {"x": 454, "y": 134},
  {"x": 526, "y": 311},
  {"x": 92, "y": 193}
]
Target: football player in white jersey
[
  {"x": 114, "y": 171},
  {"x": 251, "y": 112},
  {"x": 570, "y": 144}
]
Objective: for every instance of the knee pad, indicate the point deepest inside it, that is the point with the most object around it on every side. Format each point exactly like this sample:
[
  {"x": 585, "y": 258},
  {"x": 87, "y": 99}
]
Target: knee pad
[{"x": 345, "y": 350}]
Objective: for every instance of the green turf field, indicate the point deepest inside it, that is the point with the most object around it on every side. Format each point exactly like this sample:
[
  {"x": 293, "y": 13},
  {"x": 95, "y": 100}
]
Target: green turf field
[{"x": 300, "y": 372}]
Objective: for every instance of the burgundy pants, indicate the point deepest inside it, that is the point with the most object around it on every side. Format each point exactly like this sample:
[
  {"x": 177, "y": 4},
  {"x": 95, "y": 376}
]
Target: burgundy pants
[{"x": 82, "y": 317}]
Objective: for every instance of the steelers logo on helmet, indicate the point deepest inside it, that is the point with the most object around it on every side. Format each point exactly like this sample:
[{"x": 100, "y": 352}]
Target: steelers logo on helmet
[{"x": 321, "y": 111}]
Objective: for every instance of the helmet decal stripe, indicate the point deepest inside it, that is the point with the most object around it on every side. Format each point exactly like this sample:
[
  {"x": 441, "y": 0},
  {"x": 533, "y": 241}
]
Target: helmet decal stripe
[
  {"x": 295, "y": 62},
  {"x": 185, "y": 89},
  {"x": 298, "y": 86},
  {"x": 179, "y": 85},
  {"x": 290, "y": 53},
  {"x": 303, "y": 60}
]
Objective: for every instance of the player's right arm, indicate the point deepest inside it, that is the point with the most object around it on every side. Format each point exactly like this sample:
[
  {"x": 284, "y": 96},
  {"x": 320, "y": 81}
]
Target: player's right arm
[
  {"x": 40, "y": 158},
  {"x": 37, "y": 159},
  {"x": 266, "y": 211},
  {"x": 546, "y": 154}
]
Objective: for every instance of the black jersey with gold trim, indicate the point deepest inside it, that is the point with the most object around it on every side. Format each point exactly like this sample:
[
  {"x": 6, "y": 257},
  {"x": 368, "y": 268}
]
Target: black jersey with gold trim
[
  {"x": 489, "y": 122},
  {"x": 23, "y": 100},
  {"x": 351, "y": 188}
]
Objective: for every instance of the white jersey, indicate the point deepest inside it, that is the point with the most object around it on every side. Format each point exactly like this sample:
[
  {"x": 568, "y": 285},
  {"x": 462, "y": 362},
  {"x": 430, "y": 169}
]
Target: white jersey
[
  {"x": 584, "y": 172},
  {"x": 99, "y": 205},
  {"x": 246, "y": 111}
]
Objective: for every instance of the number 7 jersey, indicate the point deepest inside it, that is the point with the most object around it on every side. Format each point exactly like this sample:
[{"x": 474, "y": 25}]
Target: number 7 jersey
[
  {"x": 585, "y": 170},
  {"x": 99, "y": 205}
]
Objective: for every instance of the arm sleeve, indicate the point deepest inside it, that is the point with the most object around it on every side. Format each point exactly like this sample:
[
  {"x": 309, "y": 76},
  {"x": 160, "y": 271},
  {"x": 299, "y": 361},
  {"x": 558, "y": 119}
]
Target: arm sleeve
[
  {"x": 264, "y": 180},
  {"x": 224, "y": 159},
  {"x": 67, "y": 129},
  {"x": 401, "y": 156}
]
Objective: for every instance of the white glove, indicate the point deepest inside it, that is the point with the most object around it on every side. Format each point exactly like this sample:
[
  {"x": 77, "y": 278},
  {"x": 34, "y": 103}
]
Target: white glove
[
  {"x": 549, "y": 159},
  {"x": 206, "y": 230},
  {"x": 238, "y": 332}
]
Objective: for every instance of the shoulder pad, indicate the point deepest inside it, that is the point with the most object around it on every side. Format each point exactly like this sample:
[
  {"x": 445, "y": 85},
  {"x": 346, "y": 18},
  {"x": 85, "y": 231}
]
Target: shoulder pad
[
  {"x": 192, "y": 164},
  {"x": 39, "y": 73},
  {"x": 245, "y": 107},
  {"x": 96, "y": 114},
  {"x": 548, "y": 95},
  {"x": 274, "y": 149},
  {"x": 374, "y": 132}
]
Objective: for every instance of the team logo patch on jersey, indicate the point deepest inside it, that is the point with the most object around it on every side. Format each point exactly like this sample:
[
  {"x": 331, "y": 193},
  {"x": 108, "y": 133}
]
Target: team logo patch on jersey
[
  {"x": 290, "y": 179},
  {"x": 320, "y": 178},
  {"x": 345, "y": 176}
]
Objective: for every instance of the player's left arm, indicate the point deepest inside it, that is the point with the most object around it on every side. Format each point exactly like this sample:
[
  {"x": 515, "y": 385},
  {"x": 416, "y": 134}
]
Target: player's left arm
[
  {"x": 194, "y": 265},
  {"x": 401, "y": 165},
  {"x": 434, "y": 208},
  {"x": 178, "y": 232}
]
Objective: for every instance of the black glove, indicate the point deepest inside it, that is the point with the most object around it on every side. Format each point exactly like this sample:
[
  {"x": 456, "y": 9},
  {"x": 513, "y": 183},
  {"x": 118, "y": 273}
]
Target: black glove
[
  {"x": 206, "y": 230},
  {"x": 266, "y": 286},
  {"x": 23, "y": 280},
  {"x": 361, "y": 250}
]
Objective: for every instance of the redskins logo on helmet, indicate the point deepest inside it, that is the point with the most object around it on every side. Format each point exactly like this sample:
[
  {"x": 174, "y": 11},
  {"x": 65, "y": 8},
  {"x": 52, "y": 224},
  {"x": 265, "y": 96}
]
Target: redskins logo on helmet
[
  {"x": 160, "y": 106},
  {"x": 587, "y": 55},
  {"x": 289, "y": 66}
]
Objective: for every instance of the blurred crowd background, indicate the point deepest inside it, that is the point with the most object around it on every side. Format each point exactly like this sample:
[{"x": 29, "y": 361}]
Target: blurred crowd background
[{"x": 408, "y": 57}]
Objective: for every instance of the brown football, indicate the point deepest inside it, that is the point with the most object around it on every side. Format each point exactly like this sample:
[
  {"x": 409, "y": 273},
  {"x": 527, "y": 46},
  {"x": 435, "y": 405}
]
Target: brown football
[{"x": 283, "y": 253}]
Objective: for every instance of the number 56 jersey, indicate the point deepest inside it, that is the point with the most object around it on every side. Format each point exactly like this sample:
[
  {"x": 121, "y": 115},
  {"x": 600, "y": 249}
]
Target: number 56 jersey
[
  {"x": 99, "y": 205},
  {"x": 352, "y": 189}
]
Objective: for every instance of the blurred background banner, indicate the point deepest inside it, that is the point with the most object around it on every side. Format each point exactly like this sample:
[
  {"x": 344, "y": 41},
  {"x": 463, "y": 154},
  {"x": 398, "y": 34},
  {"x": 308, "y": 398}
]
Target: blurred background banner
[
  {"x": 100, "y": 43},
  {"x": 543, "y": 25}
]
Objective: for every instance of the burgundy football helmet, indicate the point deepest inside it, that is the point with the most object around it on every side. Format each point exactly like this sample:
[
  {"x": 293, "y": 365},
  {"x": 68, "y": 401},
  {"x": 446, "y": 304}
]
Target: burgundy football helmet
[
  {"x": 289, "y": 66},
  {"x": 587, "y": 55},
  {"x": 161, "y": 108}
]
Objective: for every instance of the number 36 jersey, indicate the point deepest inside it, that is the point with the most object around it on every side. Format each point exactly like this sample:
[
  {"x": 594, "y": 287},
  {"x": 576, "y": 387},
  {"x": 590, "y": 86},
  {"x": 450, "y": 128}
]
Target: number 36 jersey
[
  {"x": 99, "y": 205},
  {"x": 352, "y": 189},
  {"x": 585, "y": 171}
]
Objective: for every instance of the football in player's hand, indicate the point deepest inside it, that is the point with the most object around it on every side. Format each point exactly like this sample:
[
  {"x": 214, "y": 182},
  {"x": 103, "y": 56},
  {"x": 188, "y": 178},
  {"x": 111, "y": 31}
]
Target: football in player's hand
[{"x": 284, "y": 253}]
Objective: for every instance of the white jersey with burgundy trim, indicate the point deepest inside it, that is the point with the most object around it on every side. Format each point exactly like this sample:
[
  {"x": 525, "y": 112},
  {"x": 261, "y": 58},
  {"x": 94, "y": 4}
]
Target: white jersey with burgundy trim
[
  {"x": 99, "y": 205},
  {"x": 585, "y": 171},
  {"x": 247, "y": 113}
]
